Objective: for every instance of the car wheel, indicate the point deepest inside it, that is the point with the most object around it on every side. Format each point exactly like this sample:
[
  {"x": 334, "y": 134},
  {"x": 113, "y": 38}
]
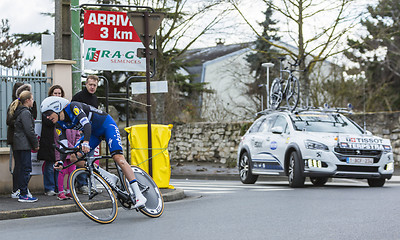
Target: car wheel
[
  {"x": 245, "y": 170},
  {"x": 376, "y": 182},
  {"x": 295, "y": 175},
  {"x": 318, "y": 181}
]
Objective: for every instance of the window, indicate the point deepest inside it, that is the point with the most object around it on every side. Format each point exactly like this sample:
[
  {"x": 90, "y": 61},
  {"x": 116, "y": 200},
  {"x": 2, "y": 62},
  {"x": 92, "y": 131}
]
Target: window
[
  {"x": 266, "y": 125},
  {"x": 318, "y": 122},
  {"x": 256, "y": 125},
  {"x": 281, "y": 122}
]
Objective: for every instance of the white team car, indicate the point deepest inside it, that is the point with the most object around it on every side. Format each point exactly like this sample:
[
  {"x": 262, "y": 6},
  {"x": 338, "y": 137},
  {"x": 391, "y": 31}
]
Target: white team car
[{"x": 316, "y": 144}]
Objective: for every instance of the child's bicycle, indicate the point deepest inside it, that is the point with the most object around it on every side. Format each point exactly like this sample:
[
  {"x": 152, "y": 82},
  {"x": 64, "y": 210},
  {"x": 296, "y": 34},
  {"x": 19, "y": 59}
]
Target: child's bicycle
[
  {"x": 100, "y": 204},
  {"x": 285, "y": 88}
]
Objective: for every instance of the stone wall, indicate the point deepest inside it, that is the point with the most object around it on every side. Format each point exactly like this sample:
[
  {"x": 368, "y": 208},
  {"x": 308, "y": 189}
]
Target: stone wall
[
  {"x": 383, "y": 124},
  {"x": 218, "y": 142},
  {"x": 206, "y": 142}
]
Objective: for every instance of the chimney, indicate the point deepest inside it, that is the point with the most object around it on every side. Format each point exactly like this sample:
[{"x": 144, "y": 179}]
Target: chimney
[{"x": 220, "y": 41}]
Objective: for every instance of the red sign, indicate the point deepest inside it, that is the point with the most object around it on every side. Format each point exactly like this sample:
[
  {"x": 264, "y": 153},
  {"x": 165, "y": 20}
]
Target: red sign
[{"x": 109, "y": 26}]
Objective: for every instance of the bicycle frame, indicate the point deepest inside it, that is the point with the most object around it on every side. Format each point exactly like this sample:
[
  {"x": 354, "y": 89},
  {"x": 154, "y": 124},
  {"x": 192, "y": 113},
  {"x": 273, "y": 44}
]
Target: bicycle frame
[
  {"x": 283, "y": 88},
  {"x": 290, "y": 72},
  {"x": 121, "y": 193}
]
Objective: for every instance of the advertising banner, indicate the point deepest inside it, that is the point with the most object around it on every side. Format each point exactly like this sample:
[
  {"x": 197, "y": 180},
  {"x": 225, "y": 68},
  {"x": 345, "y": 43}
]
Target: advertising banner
[{"x": 111, "y": 42}]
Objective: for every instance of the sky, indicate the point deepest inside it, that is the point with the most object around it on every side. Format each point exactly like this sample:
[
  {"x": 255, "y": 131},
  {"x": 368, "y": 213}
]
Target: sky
[{"x": 25, "y": 16}]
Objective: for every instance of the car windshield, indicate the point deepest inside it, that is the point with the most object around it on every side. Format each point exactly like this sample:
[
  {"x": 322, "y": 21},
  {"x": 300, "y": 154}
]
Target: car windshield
[{"x": 325, "y": 122}]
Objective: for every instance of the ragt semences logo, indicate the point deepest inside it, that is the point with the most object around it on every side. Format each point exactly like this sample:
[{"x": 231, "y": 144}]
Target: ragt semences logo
[{"x": 94, "y": 55}]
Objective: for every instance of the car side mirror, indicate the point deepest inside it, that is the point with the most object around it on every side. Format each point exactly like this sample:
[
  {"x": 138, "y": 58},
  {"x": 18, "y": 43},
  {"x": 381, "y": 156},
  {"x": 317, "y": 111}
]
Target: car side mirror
[
  {"x": 277, "y": 130},
  {"x": 368, "y": 133}
]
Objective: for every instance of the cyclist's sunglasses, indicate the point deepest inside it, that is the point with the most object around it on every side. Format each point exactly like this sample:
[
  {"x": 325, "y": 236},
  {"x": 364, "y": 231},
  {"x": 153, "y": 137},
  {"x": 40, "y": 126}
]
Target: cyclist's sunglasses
[{"x": 47, "y": 113}]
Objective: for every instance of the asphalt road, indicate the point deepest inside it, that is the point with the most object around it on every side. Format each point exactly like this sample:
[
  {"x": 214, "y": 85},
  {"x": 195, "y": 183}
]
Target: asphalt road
[{"x": 344, "y": 209}]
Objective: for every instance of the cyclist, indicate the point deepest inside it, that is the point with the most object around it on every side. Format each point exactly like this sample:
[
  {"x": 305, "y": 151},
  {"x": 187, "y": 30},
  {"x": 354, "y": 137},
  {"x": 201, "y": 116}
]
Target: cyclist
[{"x": 95, "y": 125}]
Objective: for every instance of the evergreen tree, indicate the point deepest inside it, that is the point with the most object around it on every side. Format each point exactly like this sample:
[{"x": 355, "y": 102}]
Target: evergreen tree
[
  {"x": 378, "y": 55},
  {"x": 11, "y": 55},
  {"x": 264, "y": 53},
  {"x": 30, "y": 38}
]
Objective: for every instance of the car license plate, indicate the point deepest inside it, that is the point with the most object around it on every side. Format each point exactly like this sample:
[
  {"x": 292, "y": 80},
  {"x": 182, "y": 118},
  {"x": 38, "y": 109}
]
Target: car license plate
[{"x": 355, "y": 160}]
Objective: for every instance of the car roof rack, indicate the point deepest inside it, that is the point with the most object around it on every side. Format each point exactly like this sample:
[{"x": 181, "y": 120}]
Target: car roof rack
[
  {"x": 268, "y": 111},
  {"x": 326, "y": 110},
  {"x": 304, "y": 109}
]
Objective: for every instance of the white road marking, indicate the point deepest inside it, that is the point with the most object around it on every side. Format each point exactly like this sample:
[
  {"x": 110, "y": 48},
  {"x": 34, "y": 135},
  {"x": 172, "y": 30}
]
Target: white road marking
[{"x": 223, "y": 187}]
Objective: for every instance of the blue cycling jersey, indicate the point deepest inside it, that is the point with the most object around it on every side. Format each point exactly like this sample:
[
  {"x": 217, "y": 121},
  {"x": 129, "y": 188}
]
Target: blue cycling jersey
[{"x": 94, "y": 123}]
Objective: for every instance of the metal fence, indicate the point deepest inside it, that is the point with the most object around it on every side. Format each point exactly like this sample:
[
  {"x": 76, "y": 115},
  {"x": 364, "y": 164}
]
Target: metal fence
[{"x": 8, "y": 77}]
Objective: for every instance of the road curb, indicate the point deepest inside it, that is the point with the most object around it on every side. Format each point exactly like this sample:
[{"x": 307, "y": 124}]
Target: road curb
[
  {"x": 176, "y": 194},
  {"x": 40, "y": 211},
  {"x": 169, "y": 195}
]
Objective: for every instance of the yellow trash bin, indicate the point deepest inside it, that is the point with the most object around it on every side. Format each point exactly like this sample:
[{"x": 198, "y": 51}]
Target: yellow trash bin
[{"x": 161, "y": 135}]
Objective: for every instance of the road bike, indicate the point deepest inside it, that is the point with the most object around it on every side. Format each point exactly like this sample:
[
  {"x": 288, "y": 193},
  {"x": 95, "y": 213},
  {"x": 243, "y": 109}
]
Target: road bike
[
  {"x": 100, "y": 203},
  {"x": 285, "y": 88}
]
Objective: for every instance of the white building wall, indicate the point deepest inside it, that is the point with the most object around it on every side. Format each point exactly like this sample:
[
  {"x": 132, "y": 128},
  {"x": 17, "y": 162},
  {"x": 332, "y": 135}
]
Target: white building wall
[{"x": 226, "y": 77}]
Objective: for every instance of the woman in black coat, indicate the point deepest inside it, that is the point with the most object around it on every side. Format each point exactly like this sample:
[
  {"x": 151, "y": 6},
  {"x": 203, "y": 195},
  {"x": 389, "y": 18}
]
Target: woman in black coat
[
  {"x": 46, "y": 151},
  {"x": 25, "y": 140},
  {"x": 18, "y": 88}
]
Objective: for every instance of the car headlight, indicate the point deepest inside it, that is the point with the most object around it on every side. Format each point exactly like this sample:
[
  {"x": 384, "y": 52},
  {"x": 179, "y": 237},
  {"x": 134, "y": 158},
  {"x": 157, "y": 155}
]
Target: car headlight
[{"x": 315, "y": 145}]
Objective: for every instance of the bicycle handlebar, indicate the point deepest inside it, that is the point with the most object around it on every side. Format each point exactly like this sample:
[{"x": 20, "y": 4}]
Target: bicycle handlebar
[
  {"x": 292, "y": 65},
  {"x": 295, "y": 64},
  {"x": 65, "y": 149}
]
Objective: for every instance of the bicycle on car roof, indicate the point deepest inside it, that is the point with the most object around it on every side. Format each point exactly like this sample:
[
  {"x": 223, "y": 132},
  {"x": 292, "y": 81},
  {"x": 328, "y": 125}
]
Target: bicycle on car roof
[{"x": 288, "y": 89}]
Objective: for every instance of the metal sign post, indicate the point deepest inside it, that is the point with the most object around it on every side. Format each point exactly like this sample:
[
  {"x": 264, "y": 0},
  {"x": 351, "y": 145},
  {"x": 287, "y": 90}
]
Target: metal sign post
[{"x": 146, "y": 25}]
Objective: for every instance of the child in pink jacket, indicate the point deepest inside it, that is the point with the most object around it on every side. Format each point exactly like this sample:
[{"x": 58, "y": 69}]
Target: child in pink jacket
[{"x": 72, "y": 136}]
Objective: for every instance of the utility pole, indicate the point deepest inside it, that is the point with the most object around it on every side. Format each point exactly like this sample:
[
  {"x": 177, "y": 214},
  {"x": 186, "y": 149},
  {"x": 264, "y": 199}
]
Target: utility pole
[
  {"x": 62, "y": 38},
  {"x": 76, "y": 46}
]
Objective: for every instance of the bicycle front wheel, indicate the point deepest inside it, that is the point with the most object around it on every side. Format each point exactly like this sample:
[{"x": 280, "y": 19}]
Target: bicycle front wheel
[
  {"x": 100, "y": 204},
  {"x": 293, "y": 93},
  {"x": 275, "y": 95},
  {"x": 154, "y": 206}
]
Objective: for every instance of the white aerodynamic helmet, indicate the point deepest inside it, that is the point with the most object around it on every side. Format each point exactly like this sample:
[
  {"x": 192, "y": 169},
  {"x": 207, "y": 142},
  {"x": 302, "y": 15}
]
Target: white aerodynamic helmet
[{"x": 55, "y": 104}]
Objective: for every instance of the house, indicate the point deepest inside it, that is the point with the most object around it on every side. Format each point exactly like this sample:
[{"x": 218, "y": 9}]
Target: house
[{"x": 225, "y": 70}]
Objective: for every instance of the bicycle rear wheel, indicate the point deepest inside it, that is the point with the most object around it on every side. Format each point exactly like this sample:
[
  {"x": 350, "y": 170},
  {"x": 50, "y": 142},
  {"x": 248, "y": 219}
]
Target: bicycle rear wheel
[
  {"x": 293, "y": 93},
  {"x": 275, "y": 95},
  {"x": 154, "y": 206},
  {"x": 100, "y": 205}
]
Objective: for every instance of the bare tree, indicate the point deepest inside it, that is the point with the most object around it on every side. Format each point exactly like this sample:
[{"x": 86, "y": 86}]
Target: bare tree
[
  {"x": 185, "y": 22},
  {"x": 329, "y": 20}
]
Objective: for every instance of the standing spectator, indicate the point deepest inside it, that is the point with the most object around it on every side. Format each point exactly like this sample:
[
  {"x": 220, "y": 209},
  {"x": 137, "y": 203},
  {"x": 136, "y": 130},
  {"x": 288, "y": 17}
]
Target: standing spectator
[
  {"x": 10, "y": 135},
  {"x": 46, "y": 152},
  {"x": 27, "y": 87},
  {"x": 87, "y": 95},
  {"x": 24, "y": 141},
  {"x": 72, "y": 137}
]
